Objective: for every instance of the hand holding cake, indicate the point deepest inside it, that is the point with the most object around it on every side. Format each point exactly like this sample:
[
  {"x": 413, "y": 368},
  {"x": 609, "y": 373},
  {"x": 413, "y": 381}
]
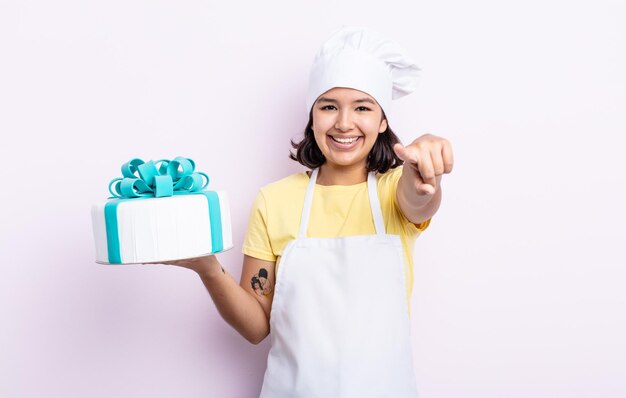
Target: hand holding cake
[{"x": 204, "y": 265}]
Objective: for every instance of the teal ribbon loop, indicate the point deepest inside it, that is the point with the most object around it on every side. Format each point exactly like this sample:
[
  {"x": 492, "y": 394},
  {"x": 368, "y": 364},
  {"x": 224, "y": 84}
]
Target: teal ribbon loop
[{"x": 158, "y": 179}]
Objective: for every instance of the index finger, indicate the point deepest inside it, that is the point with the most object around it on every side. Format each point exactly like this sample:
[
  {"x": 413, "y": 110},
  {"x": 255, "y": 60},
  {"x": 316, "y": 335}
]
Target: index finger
[{"x": 448, "y": 157}]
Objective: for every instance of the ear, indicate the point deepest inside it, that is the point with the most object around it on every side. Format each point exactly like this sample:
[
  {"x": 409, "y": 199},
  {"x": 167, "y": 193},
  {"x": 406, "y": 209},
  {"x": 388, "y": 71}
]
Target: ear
[{"x": 383, "y": 126}]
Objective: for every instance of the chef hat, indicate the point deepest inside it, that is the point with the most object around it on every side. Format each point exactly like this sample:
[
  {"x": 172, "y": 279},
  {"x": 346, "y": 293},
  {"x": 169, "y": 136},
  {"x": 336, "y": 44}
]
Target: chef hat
[{"x": 362, "y": 59}]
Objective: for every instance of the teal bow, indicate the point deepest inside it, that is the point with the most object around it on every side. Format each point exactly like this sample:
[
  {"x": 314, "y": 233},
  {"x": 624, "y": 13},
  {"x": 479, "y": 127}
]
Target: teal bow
[{"x": 145, "y": 179}]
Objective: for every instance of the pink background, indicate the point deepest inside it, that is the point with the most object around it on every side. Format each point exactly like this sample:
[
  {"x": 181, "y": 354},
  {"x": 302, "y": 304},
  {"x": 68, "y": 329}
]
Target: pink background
[{"x": 519, "y": 288}]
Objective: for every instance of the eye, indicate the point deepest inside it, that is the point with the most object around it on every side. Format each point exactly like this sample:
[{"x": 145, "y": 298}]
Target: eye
[
  {"x": 328, "y": 107},
  {"x": 363, "y": 108}
]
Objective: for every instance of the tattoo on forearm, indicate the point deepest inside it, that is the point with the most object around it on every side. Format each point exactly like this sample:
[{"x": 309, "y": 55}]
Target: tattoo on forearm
[{"x": 261, "y": 284}]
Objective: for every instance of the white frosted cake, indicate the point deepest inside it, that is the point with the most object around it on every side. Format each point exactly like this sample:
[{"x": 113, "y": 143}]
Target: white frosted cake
[{"x": 152, "y": 229}]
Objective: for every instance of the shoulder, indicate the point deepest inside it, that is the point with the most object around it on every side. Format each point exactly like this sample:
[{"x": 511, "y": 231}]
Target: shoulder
[
  {"x": 294, "y": 182},
  {"x": 279, "y": 197}
]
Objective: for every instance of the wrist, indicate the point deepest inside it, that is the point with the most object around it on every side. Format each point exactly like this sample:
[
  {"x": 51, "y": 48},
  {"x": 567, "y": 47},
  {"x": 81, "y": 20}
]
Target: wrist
[{"x": 209, "y": 268}]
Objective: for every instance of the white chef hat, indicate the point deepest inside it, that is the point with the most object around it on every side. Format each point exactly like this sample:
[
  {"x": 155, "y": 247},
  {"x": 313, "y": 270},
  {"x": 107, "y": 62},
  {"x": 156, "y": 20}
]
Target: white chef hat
[{"x": 362, "y": 59}]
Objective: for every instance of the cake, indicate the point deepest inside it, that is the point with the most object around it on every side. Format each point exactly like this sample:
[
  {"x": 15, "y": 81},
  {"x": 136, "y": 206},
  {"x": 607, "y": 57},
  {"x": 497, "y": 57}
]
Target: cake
[{"x": 160, "y": 211}]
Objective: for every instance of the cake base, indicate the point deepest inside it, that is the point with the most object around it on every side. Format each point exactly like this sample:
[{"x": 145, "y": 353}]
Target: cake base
[{"x": 153, "y": 230}]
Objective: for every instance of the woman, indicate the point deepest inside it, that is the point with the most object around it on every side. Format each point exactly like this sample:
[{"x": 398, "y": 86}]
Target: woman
[{"x": 327, "y": 255}]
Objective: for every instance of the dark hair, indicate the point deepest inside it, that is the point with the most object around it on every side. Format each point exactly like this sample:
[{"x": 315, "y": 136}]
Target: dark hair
[{"x": 381, "y": 158}]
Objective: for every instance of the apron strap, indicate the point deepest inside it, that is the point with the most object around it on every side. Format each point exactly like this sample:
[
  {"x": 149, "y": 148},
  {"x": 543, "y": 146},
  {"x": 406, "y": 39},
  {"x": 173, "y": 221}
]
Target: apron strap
[
  {"x": 306, "y": 209},
  {"x": 372, "y": 191},
  {"x": 377, "y": 214}
]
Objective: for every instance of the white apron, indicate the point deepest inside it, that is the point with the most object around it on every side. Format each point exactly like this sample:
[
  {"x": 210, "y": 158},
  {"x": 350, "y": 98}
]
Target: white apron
[{"x": 339, "y": 324}]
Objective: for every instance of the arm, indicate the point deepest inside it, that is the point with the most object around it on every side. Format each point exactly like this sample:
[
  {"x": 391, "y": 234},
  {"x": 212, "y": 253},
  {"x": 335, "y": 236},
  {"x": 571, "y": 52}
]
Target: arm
[
  {"x": 419, "y": 187},
  {"x": 239, "y": 305}
]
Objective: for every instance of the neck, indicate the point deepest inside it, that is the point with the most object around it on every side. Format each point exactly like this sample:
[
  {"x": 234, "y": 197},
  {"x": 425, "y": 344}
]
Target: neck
[{"x": 341, "y": 175}]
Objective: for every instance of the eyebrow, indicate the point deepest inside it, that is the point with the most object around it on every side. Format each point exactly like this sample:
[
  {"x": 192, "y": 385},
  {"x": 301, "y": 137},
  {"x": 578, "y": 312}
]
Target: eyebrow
[{"x": 365, "y": 99}]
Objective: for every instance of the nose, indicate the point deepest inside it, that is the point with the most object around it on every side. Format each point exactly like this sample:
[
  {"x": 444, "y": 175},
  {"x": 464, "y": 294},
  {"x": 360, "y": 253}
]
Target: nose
[{"x": 344, "y": 120}]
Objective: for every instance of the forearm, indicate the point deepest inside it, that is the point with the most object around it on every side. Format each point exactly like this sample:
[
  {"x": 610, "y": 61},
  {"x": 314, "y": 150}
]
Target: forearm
[
  {"x": 426, "y": 159},
  {"x": 415, "y": 206},
  {"x": 238, "y": 308}
]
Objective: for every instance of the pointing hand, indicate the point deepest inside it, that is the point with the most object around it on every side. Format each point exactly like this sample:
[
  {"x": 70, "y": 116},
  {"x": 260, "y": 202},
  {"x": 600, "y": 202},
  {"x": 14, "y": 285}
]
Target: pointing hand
[{"x": 426, "y": 159}]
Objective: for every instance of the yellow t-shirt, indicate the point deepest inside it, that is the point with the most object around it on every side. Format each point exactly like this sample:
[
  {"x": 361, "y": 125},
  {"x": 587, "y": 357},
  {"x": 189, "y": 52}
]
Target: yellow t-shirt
[{"x": 337, "y": 210}]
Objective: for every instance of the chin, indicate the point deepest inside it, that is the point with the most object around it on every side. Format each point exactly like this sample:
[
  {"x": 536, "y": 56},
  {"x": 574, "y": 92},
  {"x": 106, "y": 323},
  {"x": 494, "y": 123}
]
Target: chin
[{"x": 346, "y": 162}]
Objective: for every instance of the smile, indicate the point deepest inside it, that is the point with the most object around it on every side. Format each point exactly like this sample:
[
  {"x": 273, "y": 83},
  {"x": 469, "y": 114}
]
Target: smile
[{"x": 345, "y": 140}]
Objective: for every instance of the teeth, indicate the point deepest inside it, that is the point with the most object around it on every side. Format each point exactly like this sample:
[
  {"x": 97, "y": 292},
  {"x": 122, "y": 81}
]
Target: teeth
[{"x": 345, "y": 140}]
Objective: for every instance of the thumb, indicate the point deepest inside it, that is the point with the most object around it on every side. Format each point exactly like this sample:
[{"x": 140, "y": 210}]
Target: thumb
[
  {"x": 400, "y": 151},
  {"x": 425, "y": 189}
]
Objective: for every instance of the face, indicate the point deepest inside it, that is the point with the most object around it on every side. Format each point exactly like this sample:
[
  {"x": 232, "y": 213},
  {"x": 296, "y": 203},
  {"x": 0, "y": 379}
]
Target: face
[{"x": 346, "y": 123}]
